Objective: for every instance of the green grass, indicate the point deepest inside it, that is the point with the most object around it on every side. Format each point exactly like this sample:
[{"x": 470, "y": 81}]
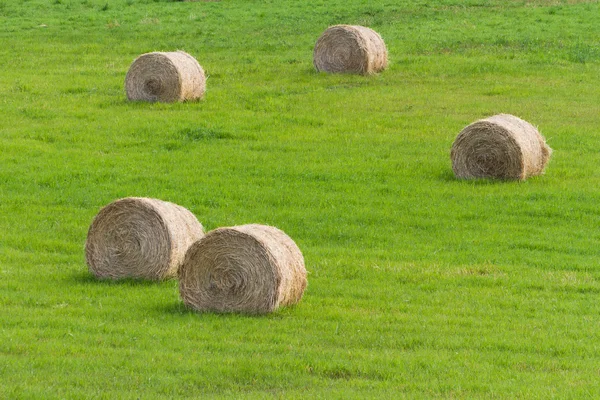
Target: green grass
[{"x": 420, "y": 286}]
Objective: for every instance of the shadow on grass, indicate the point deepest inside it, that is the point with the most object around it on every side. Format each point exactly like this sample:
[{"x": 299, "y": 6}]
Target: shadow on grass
[
  {"x": 448, "y": 176},
  {"x": 87, "y": 278},
  {"x": 178, "y": 308}
]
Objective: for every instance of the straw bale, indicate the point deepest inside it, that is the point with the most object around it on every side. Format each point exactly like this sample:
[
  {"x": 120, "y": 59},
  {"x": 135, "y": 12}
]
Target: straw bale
[
  {"x": 165, "y": 77},
  {"x": 502, "y": 146},
  {"x": 350, "y": 49},
  {"x": 251, "y": 269},
  {"x": 138, "y": 237}
]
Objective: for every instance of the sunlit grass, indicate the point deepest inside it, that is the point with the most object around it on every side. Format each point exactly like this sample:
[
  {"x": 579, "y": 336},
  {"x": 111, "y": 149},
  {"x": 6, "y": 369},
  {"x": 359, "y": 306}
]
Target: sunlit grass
[{"x": 420, "y": 286}]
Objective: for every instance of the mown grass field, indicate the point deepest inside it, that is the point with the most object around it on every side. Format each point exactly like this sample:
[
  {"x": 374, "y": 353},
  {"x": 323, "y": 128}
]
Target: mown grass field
[{"x": 420, "y": 286}]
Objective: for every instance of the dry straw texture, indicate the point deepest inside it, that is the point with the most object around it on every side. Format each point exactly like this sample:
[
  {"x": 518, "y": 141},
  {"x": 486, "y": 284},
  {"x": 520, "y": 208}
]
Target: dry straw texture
[
  {"x": 140, "y": 238},
  {"x": 502, "y": 146},
  {"x": 251, "y": 269},
  {"x": 350, "y": 49},
  {"x": 165, "y": 77}
]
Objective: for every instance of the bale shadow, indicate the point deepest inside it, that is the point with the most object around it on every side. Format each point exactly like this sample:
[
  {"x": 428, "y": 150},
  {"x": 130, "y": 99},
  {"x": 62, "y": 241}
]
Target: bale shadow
[
  {"x": 86, "y": 278},
  {"x": 448, "y": 176},
  {"x": 180, "y": 309}
]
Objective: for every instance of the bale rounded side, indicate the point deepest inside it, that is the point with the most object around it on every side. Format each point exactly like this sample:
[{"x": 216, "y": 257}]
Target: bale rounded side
[
  {"x": 251, "y": 269},
  {"x": 138, "y": 237},
  {"x": 165, "y": 77},
  {"x": 502, "y": 147},
  {"x": 350, "y": 49}
]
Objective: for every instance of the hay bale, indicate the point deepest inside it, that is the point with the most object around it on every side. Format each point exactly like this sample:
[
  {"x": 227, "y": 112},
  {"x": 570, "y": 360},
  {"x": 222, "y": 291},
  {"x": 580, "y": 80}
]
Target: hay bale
[
  {"x": 251, "y": 269},
  {"x": 502, "y": 146},
  {"x": 139, "y": 237},
  {"x": 165, "y": 77},
  {"x": 350, "y": 49}
]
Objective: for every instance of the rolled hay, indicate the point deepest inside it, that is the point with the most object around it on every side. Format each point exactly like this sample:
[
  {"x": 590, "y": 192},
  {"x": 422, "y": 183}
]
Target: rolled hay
[
  {"x": 350, "y": 49},
  {"x": 252, "y": 269},
  {"x": 502, "y": 147},
  {"x": 165, "y": 77},
  {"x": 139, "y": 237}
]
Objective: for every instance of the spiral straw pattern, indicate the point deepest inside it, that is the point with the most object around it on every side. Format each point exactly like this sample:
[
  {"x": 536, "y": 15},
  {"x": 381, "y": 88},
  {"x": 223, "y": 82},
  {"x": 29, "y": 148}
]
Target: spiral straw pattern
[
  {"x": 502, "y": 147},
  {"x": 165, "y": 77},
  {"x": 350, "y": 49},
  {"x": 139, "y": 237},
  {"x": 251, "y": 269}
]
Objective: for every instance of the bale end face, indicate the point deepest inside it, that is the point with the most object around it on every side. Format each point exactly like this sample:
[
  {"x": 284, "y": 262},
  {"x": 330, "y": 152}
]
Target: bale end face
[
  {"x": 165, "y": 77},
  {"x": 499, "y": 147},
  {"x": 350, "y": 49},
  {"x": 140, "y": 238},
  {"x": 251, "y": 269}
]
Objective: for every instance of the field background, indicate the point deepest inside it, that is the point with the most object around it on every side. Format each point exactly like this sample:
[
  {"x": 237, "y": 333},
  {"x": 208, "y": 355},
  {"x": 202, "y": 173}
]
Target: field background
[{"x": 420, "y": 286}]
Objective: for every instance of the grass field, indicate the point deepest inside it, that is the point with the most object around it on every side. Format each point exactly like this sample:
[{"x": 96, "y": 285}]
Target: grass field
[{"x": 420, "y": 285}]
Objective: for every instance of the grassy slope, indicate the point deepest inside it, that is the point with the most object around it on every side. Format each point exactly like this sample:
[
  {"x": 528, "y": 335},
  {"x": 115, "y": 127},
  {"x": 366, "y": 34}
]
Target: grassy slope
[{"x": 419, "y": 285}]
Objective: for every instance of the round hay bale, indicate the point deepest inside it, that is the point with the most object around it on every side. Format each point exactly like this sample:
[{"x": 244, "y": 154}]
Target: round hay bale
[
  {"x": 165, "y": 77},
  {"x": 139, "y": 237},
  {"x": 251, "y": 269},
  {"x": 502, "y": 146},
  {"x": 350, "y": 49}
]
